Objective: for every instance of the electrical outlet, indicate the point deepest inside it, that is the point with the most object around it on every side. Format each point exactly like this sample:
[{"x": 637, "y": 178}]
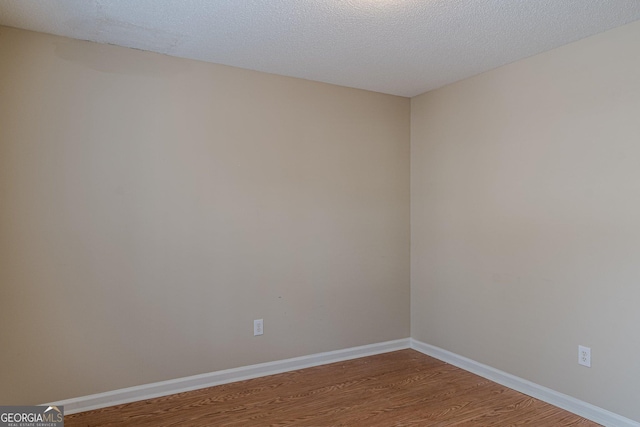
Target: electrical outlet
[
  {"x": 584, "y": 356},
  {"x": 258, "y": 327}
]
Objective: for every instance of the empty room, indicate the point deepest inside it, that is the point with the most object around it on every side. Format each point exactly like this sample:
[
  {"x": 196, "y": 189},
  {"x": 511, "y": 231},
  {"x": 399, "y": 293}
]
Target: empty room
[{"x": 319, "y": 212}]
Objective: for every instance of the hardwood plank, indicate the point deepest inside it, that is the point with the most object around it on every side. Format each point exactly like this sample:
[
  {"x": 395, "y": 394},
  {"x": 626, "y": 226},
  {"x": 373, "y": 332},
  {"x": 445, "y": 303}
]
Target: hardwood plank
[{"x": 401, "y": 388}]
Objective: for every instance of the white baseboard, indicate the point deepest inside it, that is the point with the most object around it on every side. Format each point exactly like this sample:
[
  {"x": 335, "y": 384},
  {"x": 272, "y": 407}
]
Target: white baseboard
[
  {"x": 571, "y": 404},
  {"x": 179, "y": 385}
]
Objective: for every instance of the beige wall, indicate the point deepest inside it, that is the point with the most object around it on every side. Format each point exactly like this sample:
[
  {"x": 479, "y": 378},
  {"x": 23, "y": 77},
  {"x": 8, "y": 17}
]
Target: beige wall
[
  {"x": 152, "y": 207},
  {"x": 525, "y": 191}
]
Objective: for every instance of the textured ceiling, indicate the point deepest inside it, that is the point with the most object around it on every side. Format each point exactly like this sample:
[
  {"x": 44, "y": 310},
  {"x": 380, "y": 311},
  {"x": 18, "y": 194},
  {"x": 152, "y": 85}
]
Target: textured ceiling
[{"x": 401, "y": 47}]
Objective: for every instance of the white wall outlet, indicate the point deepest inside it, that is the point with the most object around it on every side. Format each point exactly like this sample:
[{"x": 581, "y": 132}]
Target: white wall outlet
[
  {"x": 584, "y": 356},
  {"x": 258, "y": 327}
]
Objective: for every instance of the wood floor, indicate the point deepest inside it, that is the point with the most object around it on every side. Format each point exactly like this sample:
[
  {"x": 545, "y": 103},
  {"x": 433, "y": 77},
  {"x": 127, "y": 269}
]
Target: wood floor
[{"x": 402, "y": 388}]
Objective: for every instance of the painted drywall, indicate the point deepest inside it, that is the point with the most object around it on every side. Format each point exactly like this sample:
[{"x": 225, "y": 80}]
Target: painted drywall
[
  {"x": 152, "y": 207},
  {"x": 525, "y": 195}
]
